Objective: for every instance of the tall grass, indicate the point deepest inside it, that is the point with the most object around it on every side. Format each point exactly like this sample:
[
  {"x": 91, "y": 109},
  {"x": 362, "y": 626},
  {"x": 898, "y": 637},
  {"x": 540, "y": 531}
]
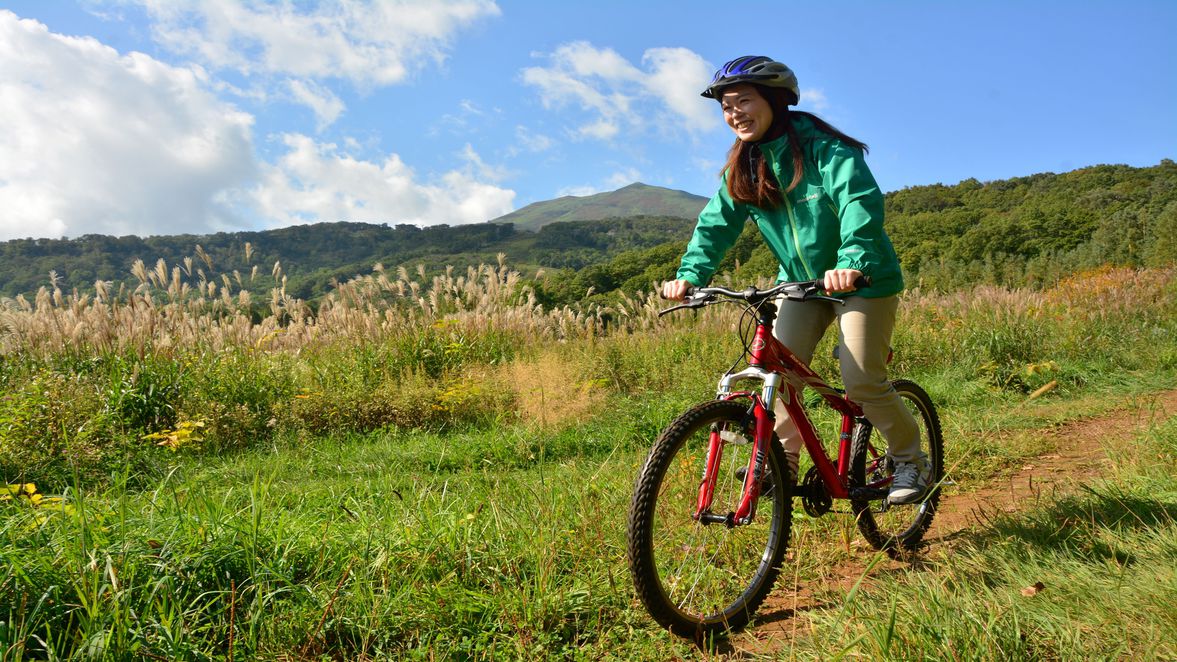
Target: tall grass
[
  {"x": 442, "y": 468},
  {"x": 86, "y": 378},
  {"x": 401, "y": 544}
]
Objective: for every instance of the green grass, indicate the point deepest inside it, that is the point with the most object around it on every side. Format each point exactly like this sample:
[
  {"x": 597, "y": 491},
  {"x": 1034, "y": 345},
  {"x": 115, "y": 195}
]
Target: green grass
[
  {"x": 403, "y": 513},
  {"x": 395, "y": 542},
  {"x": 511, "y": 544}
]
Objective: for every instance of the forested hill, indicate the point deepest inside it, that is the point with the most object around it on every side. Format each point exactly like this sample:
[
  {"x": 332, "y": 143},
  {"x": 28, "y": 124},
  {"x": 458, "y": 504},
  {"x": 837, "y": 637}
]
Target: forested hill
[
  {"x": 1021, "y": 231},
  {"x": 1016, "y": 231},
  {"x": 634, "y": 200},
  {"x": 313, "y": 256},
  {"x": 1031, "y": 229}
]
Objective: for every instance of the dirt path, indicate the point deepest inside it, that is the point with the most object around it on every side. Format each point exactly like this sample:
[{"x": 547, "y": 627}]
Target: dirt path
[{"x": 1079, "y": 457}]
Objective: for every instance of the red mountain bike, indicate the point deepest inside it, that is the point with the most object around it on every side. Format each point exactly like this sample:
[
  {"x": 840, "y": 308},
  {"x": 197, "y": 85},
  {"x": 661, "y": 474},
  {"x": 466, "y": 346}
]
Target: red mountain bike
[{"x": 702, "y": 551}]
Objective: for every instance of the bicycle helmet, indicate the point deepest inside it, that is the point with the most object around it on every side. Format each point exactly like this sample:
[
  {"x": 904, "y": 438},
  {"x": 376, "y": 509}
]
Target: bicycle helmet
[{"x": 757, "y": 69}]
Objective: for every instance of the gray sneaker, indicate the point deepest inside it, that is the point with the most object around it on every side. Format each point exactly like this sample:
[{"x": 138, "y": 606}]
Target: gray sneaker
[{"x": 910, "y": 481}]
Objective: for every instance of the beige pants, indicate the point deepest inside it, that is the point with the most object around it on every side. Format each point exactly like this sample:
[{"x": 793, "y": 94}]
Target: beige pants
[{"x": 864, "y": 333}]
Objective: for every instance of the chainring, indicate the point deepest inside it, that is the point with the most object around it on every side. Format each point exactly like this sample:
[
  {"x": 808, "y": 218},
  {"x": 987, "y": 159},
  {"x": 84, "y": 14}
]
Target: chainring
[{"x": 815, "y": 500}]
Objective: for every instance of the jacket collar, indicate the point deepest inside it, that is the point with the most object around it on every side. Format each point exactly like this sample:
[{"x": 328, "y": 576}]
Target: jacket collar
[{"x": 804, "y": 128}]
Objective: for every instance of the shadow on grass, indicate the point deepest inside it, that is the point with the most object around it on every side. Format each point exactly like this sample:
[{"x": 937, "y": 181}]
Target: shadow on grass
[
  {"x": 774, "y": 619},
  {"x": 1072, "y": 525},
  {"x": 722, "y": 644}
]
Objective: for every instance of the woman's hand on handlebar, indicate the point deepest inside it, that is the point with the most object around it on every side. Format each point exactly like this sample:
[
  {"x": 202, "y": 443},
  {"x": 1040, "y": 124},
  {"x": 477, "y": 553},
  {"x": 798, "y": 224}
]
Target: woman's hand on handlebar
[
  {"x": 841, "y": 280},
  {"x": 676, "y": 290}
]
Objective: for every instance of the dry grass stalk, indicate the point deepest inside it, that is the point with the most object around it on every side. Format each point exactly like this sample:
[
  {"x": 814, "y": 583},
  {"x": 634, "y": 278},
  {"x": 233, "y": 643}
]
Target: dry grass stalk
[
  {"x": 167, "y": 309},
  {"x": 173, "y": 309}
]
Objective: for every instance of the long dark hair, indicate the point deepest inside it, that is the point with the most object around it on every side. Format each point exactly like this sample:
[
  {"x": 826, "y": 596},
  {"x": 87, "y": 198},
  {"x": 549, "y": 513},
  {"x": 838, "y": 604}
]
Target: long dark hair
[{"x": 760, "y": 188}]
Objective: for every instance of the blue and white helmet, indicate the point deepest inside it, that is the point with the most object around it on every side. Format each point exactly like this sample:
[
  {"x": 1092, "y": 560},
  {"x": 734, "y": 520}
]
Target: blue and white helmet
[{"x": 757, "y": 69}]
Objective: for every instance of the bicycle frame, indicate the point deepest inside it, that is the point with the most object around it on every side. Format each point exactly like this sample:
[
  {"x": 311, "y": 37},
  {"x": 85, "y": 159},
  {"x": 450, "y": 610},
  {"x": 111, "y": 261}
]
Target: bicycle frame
[
  {"x": 770, "y": 362},
  {"x": 702, "y": 581}
]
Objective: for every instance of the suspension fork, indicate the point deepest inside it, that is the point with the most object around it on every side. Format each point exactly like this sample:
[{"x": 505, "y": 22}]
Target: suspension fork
[
  {"x": 765, "y": 421},
  {"x": 710, "y": 473}
]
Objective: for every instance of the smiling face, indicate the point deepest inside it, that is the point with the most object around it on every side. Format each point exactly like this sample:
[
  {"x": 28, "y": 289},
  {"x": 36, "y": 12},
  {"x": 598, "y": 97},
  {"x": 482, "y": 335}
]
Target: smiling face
[{"x": 747, "y": 113}]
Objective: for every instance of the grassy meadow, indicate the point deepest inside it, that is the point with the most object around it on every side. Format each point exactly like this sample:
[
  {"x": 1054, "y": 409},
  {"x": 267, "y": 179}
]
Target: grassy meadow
[{"x": 440, "y": 468}]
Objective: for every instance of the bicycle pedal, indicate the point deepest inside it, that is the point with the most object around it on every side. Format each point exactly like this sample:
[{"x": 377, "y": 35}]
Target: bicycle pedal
[{"x": 868, "y": 494}]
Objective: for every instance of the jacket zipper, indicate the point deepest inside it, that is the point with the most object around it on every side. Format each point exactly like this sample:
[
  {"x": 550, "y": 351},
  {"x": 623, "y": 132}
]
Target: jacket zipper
[
  {"x": 793, "y": 225},
  {"x": 796, "y": 239}
]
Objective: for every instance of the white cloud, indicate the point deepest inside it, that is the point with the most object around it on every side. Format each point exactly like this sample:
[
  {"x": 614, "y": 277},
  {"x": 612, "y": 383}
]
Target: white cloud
[
  {"x": 623, "y": 178},
  {"x": 531, "y": 141},
  {"x": 813, "y": 99},
  {"x": 559, "y": 88},
  {"x": 618, "y": 179},
  {"x": 98, "y": 142},
  {"x": 602, "y": 129},
  {"x": 675, "y": 78},
  {"x": 317, "y": 182},
  {"x": 617, "y": 94},
  {"x": 291, "y": 45},
  {"x": 322, "y": 101},
  {"x": 369, "y": 43},
  {"x": 470, "y": 108},
  {"x": 468, "y": 118},
  {"x": 481, "y": 169},
  {"x": 578, "y": 191},
  {"x": 707, "y": 165},
  {"x": 584, "y": 60}
]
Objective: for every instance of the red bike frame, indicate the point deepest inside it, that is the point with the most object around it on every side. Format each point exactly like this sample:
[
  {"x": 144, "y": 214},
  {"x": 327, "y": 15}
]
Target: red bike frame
[{"x": 770, "y": 361}]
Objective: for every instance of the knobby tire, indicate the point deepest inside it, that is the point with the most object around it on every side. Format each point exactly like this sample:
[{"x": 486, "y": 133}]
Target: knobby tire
[
  {"x": 702, "y": 580},
  {"x": 897, "y": 530}
]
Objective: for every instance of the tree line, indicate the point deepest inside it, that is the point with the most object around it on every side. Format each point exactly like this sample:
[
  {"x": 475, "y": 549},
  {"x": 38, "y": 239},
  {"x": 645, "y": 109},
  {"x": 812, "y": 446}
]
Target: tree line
[
  {"x": 1020, "y": 231},
  {"x": 1026, "y": 231}
]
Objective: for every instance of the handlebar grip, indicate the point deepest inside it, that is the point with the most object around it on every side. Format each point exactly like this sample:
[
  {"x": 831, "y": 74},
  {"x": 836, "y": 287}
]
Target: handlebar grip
[
  {"x": 686, "y": 295},
  {"x": 859, "y": 283}
]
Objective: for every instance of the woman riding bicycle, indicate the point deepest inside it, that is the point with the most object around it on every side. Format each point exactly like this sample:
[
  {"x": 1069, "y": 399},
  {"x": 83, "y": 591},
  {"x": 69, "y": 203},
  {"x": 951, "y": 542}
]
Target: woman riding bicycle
[{"x": 815, "y": 202}]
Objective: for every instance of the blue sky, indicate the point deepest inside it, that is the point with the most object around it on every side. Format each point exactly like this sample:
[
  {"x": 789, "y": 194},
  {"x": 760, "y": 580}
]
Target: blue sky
[{"x": 168, "y": 116}]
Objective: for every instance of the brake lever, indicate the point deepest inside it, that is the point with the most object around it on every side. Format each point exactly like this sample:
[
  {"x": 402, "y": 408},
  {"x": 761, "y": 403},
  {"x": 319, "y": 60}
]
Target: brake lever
[
  {"x": 810, "y": 294},
  {"x": 698, "y": 302},
  {"x": 801, "y": 293},
  {"x": 822, "y": 297}
]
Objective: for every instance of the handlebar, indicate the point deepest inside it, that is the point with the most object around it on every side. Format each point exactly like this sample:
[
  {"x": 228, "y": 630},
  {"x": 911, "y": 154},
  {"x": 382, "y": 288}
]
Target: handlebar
[{"x": 806, "y": 290}]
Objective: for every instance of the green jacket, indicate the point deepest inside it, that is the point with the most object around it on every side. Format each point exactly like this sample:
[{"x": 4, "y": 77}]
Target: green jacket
[{"x": 832, "y": 220}]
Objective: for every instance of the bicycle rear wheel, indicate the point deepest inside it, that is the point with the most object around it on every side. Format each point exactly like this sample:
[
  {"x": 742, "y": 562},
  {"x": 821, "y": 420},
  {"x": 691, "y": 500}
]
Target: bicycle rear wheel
[
  {"x": 896, "y": 529},
  {"x": 700, "y": 579}
]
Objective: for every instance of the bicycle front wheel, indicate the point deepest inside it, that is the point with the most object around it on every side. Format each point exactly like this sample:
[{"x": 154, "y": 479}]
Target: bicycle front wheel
[
  {"x": 695, "y": 578},
  {"x": 896, "y": 529}
]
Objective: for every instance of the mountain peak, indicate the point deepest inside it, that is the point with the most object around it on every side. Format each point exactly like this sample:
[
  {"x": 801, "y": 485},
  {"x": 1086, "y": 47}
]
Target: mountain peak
[{"x": 636, "y": 199}]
